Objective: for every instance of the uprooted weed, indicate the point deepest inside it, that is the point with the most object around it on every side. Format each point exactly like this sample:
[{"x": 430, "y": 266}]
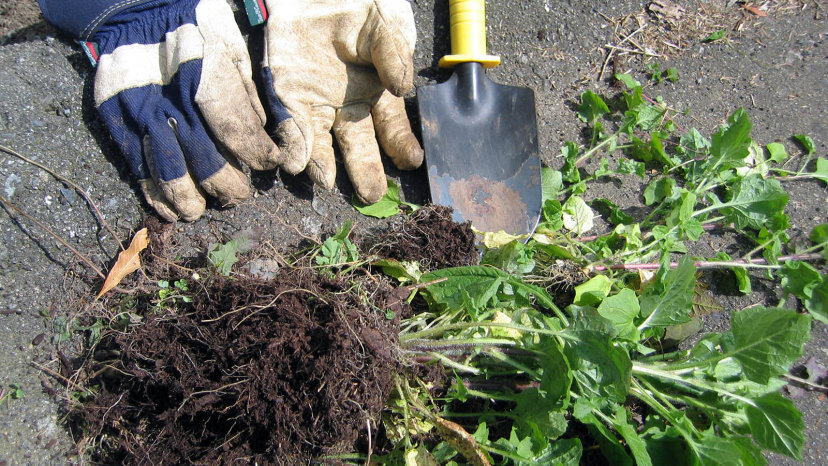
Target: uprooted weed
[
  {"x": 217, "y": 370},
  {"x": 288, "y": 369}
]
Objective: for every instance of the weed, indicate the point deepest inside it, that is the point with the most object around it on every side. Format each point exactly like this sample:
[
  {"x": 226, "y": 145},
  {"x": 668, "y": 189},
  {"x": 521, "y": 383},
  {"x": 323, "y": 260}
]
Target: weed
[{"x": 11, "y": 392}]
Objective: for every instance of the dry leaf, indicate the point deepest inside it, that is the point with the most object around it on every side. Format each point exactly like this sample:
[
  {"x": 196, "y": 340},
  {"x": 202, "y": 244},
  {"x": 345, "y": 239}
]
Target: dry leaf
[
  {"x": 456, "y": 436},
  {"x": 754, "y": 10},
  {"x": 128, "y": 261}
]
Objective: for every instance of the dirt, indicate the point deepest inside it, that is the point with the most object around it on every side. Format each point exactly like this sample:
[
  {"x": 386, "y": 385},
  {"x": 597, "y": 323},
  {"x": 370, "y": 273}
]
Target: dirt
[
  {"x": 428, "y": 236},
  {"x": 774, "y": 66},
  {"x": 294, "y": 371},
  {"x": 286, "y": 370}
]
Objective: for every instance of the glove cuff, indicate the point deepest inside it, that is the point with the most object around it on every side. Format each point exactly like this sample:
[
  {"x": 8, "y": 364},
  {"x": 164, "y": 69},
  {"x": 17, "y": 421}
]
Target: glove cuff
[{"x": 81, "y": 19}]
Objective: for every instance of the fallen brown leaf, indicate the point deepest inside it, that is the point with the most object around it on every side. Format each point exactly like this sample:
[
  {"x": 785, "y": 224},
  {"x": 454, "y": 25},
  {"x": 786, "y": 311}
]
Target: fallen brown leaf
[
  {"x": 754, "y": 10},
  {"x": 128, "y": 261}
]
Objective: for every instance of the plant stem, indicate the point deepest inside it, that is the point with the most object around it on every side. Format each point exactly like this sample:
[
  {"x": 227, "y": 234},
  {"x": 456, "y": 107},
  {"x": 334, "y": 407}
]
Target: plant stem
[
  {"x": 582, "y": 159},
  {"x": 467, "y": 325},
  {"x": 752, "y": 263},
  {"x": 651, "y": 371}
]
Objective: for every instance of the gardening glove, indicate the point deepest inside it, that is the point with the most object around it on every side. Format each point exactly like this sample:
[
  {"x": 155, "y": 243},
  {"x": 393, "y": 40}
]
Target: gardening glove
[
  {"x": 343, "y": 65},
  {"x": 174, "y": 87}
]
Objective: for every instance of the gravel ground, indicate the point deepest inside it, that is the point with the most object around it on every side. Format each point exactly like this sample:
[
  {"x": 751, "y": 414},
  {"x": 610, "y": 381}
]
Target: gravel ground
[{"x": 774, "y": 66}]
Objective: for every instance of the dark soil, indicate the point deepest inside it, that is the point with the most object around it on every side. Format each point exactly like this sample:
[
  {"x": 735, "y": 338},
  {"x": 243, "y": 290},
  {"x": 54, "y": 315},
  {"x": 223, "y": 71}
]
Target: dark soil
[
  {"x": 430, "y": 237},
  {"x": 250, "y": 370},
  {"x": 268, "y": 371}
]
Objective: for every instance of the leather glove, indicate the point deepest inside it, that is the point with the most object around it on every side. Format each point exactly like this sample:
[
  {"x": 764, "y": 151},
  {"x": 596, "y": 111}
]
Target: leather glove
[
  {"x": 174, "y": 87},
  {"x": 342, "y": 66}
]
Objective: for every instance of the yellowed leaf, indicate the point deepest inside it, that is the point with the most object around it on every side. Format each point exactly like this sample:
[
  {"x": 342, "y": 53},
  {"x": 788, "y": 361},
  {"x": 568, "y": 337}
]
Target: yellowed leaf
[
  {"x": 128, "y": 261},
  {"x": 456, "y": 436}
]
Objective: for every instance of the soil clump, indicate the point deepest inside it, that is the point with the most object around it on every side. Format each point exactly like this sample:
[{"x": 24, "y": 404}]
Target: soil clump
[
  {"x": 279, "y": 371},
  {"x": 260, "y": 371},
  {"x": 430, "y": 237}
]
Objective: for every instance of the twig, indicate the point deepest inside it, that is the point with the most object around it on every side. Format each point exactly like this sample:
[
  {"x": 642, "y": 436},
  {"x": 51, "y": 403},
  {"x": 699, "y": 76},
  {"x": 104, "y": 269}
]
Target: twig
[
  {"x": 805, "y": 382},
  {"x": 77, "y": 188},
  {"x": 60, "y": 377},
  {"x": 612, "y": 51},
  {"x": 54, "y": 235},
  {"x": 633, "y": 51}
]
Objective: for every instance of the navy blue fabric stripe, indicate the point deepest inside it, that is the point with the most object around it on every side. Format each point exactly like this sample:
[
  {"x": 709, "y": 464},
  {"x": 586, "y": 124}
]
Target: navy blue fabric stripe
[
  {"x": 146, "y": 111},
  {"x": 81, "y": 19}
]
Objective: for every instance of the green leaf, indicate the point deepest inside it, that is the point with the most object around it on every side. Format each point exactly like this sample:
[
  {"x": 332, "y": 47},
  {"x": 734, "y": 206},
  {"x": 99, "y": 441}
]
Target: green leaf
[
  {"x": 622, "y": 309},
  {"x": 819, "y": 234},
  {"x": 592, "y": 291},
  {"x": 718, "y": 35},
  {"x": 742, "y": 277},
  {"x": 670, "y": 303},
  {"x": 730, "y": 144},
  {"x": 672, "y": 74},
  {"x": 569, "y": 171},
  {"x": 821, "y": 171},
  {"x": 561, "y": 452},
  {"x": 637, "y": 446},
  {"x": 807, "y": 143},
  {"x": 799, "y": 278},
  {"x": 537, "y": 417},
  {"x": 577, "y": 216},
  {"x": 714, "y": 450},
  {"x": 658, "y": 190},
  {"x": 766, "y": 341},
  {"x": 630, "y": 167},
  {"x": 777, "y": 152},
  {"x": 387, "y": 206},
  {"x": 338, "y": 249},
  {"x": 693, "y": 144},
  {"x": 628, "y": 80},
  {"x": 611, "y": 211},
  {"x": 610, "y": 444},
  {"x": 551, "y": 183},
  {"x": 599, "y": 368},
  {"x": 592, "y": 107},
  {"x": 514, "y": 258},
  {"x": 777, "y": 425},
  {"x": 806, "y": 283},
  {"x": 481, "y": 284},
  {"x": 223, "y": 256},
  {"x": 404, "y": 271},
  {"x": 552, "y": 215},
  {"x": 755, "y": 202}
]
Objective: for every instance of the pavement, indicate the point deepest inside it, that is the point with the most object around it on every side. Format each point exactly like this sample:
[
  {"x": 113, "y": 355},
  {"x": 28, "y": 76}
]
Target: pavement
[{"x": 775, "y": 66}]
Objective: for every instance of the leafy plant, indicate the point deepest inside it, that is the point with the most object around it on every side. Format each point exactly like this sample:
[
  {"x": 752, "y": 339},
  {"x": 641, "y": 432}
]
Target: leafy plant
[
  {"x": 223, "y": 256},
  {"x": 338, "y": 249},
  {"x": 388, "y": 206},
  {"x": 11, "y": 392},
  {"x": 168, "y": 294},
  {"x": 533, "y": 369}
]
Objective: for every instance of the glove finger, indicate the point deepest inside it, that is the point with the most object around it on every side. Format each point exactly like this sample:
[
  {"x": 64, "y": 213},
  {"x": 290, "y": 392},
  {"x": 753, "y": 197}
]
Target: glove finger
[
  {"x": 157, "y": 201},
  {"x": 322, "y": 164},
  {"x": 216, "y": 175},
  {"x": 394, "y": 132},
  {"x": 390, "y": 44},
  {"x": 288, "y": 127},
  {"x": 226, "y": 94},
  {"x": 168, "y": 167},
  {"x": 155, "y": 159},
  {"x": 354, "y": 132}
]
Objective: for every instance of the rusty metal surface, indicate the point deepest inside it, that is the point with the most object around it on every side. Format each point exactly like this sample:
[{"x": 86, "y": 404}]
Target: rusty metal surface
[{"x": 481, "y": 148}]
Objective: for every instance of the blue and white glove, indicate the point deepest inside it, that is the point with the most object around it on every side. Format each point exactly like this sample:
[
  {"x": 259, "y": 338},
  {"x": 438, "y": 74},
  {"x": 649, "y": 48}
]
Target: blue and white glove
[{"x": 174, "y": 87}]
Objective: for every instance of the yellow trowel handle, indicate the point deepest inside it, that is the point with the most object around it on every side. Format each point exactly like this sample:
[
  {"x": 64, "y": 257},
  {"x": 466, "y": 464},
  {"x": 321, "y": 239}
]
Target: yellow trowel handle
[{"x": 468, "y": 34}]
